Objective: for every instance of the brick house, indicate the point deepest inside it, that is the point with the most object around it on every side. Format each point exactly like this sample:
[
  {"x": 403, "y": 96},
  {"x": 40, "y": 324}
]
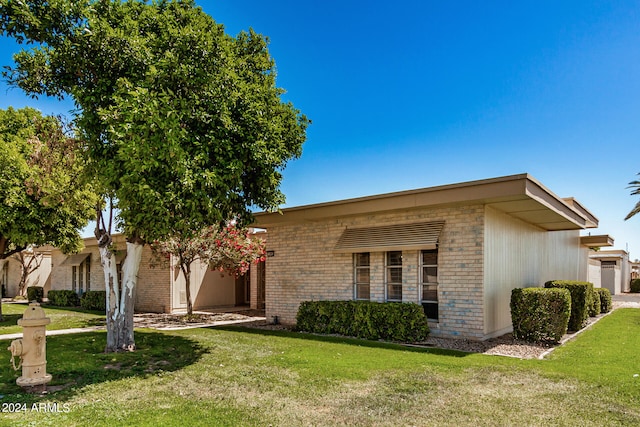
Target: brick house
[
  {"x": 456, "y": 249},
  {"x": 159, "y": 289}
]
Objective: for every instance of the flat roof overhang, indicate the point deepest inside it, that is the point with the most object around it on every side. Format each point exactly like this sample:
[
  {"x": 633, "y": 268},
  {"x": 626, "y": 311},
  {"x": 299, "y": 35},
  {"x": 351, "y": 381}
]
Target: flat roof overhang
[
  {"x": 520, "y": 196},
  {"x": 599, "y": 241}
]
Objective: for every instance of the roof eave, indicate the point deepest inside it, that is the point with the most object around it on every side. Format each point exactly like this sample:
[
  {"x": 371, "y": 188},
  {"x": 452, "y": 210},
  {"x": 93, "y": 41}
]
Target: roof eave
[{"x": 518, "y": 195}]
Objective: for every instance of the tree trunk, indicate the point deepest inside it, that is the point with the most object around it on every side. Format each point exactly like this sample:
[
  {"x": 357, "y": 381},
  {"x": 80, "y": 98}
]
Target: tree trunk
[
  {"x": 2, "y": 262},
  {"x": 120, "y": 298},
  {"x": 186, "y": 270},
  {"x": 112, "y": 288},
  {"x": 27, "y": 267},
  {"x": 130, "y": 270}
]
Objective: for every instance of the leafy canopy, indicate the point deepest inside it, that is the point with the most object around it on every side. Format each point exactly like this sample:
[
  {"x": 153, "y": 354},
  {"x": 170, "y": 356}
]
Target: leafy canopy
[
  {"x": 226, "y": 248},
  {"x": 43, "y": 197},
  {"x": 185, "y": 124}
]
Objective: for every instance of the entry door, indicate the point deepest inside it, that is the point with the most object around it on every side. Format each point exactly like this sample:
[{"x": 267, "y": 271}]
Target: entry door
[{"x": 608, "y": 276}]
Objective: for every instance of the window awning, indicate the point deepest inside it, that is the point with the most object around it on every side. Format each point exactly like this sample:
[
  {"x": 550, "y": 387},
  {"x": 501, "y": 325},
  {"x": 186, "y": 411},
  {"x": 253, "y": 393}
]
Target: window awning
[
  {"x": 75, "y": 259},
  {"x": 397, "y": 237}
]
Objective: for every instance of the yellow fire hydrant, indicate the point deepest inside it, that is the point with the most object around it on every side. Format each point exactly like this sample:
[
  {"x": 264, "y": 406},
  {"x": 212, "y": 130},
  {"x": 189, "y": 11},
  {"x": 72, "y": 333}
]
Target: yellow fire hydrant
[{"x": 31, "y": 348}]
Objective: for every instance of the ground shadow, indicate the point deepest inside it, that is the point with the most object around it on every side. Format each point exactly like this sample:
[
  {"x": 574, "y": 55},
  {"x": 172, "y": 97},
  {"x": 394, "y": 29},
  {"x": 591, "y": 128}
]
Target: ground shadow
[
  {"x": 77, "y": 360},
  {"x": 343, "y": 340},
  {"x": 10, "y": 319}
]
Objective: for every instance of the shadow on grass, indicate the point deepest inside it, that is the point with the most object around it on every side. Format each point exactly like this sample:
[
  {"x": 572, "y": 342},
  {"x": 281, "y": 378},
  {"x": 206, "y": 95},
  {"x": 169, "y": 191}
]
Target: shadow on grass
[
  {"x": 62, "y": 317},
  {"x": 10, "y": 319},
  {"x": 77, "y": 360},
  {"x": 343, "y": 340}
]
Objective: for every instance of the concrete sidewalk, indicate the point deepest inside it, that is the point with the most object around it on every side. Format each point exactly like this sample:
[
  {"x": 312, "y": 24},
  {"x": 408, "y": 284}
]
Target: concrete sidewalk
[
  {"x": 168, "y": 328},
  {"x": 626, "y": 300},
  {"x": 55, "y": 332}
]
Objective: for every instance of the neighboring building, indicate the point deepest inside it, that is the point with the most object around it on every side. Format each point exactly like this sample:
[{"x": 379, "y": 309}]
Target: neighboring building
[
  {"x": 615, "y": 270},
  {"x": 635, "y": 269},
  {"x": 456, "y": 249},
  {"x": 11, "y": 273},
  {"x": 160, "y": 289}
]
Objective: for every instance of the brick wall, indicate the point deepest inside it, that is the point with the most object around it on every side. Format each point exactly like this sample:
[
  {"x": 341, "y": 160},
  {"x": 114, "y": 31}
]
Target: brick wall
[
  {"x": 154, "y": 287},
  {"x": 304, "y": 267},
  {"x": 153, "y": 290}
]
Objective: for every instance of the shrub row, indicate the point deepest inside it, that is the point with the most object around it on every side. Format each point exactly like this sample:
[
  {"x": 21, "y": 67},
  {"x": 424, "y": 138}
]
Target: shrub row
[
  {"x": 404, "y": 322},
  {"x": 63, "y": 298},
  {"x": 596, "y": 306},
  {"x": 35, "y": 293},
  {"x": 582, "y": 295},
  {"x": 94, "y": 300},
  {"x": 635, "y": 285},
  {"x": 90, "y": 300},
  {"x": 540, "y": 314},
  {"x": 605, "y": 300}
]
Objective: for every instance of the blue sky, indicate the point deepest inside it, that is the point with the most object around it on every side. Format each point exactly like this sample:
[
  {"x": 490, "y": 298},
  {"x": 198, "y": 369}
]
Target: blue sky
[{"x": 412, "y": 94}]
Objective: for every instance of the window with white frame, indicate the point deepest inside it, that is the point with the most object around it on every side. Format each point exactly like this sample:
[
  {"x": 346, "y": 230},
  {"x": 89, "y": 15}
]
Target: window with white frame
[
  {"x": 87, "y": 272},
  {"x": 81, "y": 276},
  {"x": 429, "y": 282},
  {"x": 393, "y": 275},
  {"x": 362, "y": 275},
  {"x": 74, "y": 278}
]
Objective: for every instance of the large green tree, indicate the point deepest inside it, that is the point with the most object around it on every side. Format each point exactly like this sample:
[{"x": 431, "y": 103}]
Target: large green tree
[
  {"x": 43, "y": 197},
  {"x": 185, "y": 124}
]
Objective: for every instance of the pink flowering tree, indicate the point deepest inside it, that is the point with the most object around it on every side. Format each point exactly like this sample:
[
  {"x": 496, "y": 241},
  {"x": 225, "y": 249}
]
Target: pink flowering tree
[{"x": 228, "y": 249}]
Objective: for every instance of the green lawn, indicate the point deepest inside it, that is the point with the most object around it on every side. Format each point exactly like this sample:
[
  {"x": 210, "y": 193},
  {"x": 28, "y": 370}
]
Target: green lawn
[
  {"x": 245, "y": 377},
  {"x": 61, "y": 318}
]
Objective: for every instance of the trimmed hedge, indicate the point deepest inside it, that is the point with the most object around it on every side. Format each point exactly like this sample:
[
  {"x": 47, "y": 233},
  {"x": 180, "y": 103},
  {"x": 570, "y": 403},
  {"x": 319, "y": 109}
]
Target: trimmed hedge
[
  {"x": 596, "y": 306},
  {"x": 581, "y": 300},
  {"x": 540, "y": 314},
  {"x": 635, "y": 285},
  {"x": 605, "y": 300},
  {"x": 405, "y": 322},
  {"x": 63, "y": 298},
  {"x": 94, "y": 300},
  {"x": 35, "y": 293}
]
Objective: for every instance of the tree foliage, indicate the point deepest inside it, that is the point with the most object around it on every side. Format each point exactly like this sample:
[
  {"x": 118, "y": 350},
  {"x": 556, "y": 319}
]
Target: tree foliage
[
  {"x": 185, "y": 123},
  {"x": 185, "y": 126},
  {"x": 43, "y": 197}
]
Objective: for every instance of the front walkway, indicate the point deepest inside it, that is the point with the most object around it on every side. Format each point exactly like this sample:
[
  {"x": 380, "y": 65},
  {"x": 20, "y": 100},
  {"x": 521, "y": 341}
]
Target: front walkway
[{"x": 156, "y": 321}]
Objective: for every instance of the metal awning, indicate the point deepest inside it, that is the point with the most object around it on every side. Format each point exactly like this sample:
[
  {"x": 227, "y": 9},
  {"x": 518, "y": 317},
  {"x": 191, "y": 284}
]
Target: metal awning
[
  {"x": 396, "y": 237},
  {"x": 75, "y": 259}
]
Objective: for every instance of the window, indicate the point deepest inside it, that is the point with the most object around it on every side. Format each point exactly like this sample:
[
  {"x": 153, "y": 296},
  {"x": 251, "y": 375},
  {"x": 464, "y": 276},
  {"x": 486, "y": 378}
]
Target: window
[
  {"x": 362, "y": 275},
  {"x": 74, "y": 278},
  {"x": 87, "y": 270},
  {"x": 81, "y": 276},
  {"x": 429, "y": 282},
  {"x": 393, "y": 275}
]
